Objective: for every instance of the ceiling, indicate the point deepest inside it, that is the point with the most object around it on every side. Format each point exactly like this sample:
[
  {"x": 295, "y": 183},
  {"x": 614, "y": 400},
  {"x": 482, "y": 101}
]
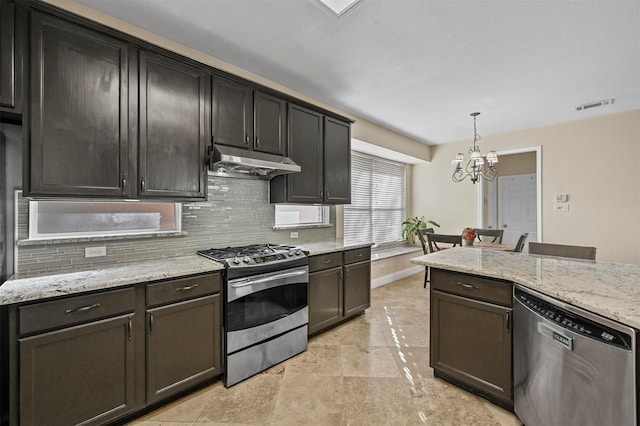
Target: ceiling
[{"x": 420, "y": 67}]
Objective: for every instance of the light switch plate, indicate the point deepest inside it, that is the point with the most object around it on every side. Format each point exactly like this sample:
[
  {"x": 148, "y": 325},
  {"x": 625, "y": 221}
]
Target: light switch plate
[
  {"x": 561, "y": 207},
  {"x": 562, "y": 198},
  {"x": 95, "y": 251},
  {"x": 293, "y": 235}
]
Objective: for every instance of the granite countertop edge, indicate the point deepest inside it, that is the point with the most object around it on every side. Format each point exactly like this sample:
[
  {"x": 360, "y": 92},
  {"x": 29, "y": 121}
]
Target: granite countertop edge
[
  {"x": 611, "y": 290},
  {"x": 331, "y": 247},
  {"x": 20, "y": 288}
]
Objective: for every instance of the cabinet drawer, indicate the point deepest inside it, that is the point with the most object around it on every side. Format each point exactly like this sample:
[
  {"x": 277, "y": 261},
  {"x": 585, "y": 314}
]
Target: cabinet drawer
[
  {"x": 357, "y": 255},
  {"x": 182, "y": 289},
  {"x": 489, "y": 290},
  {"x": 325, "y": 261},
  {"x": 74, "y": 310}
]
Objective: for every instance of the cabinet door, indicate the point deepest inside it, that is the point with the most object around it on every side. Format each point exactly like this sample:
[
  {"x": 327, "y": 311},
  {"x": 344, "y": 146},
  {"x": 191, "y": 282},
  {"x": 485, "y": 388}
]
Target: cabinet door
[
  {"x": 232, "y": 113},
  {"x": 78, "y": 128},
  {"x": 357, "y": 288},
  {"x": 183, "y": 345},
  {"x": 173, "y": 128},
  {"x": 7, "y": 54},
  {"x": 305, "y": 149},
  {"x": 325, "y": 299},
  {"x": 471, "y": 342},
  {"x": 83, "y": 374},
  {"x": 337, "y": 161},
  {"x": 270, "y": 115}
]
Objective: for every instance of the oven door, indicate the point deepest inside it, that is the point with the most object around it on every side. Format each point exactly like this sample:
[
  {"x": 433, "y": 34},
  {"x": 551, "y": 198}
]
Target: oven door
[{"x": 261, "y": 307}]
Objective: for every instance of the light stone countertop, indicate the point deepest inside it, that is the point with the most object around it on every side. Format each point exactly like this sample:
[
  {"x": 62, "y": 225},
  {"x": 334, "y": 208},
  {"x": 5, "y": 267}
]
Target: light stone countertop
[
  {"x": 330, "y": 247},
  {"x": 609, "y": 289},
  {"x": 29, "y": 288}
]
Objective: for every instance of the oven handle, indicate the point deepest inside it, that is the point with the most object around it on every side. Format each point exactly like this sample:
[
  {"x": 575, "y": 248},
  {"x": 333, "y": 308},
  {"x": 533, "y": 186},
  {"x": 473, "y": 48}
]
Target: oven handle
[{"x": 250, "y": 281}]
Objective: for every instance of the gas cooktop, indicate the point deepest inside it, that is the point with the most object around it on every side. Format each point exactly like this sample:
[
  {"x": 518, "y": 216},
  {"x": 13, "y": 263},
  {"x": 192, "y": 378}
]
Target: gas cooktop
[{"x": 253, "y": 255}]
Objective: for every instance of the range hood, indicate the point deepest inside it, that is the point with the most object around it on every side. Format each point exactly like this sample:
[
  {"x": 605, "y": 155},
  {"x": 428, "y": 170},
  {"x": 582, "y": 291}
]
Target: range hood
[{"x": 227, "y": 161}]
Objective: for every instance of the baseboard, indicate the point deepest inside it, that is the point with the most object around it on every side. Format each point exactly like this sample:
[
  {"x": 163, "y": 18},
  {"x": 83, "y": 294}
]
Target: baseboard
[{"x": 396, "y": 276}]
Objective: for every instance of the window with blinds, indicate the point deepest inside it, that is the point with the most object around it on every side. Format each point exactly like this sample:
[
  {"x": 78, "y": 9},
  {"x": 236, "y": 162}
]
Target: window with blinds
[{"x": 377, "y": 206}]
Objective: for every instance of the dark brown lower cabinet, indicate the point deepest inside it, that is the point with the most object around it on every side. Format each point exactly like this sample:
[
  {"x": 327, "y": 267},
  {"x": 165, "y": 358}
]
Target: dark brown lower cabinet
[
  {"x": 357, "y": 287},
  {"x": 471, "y": 340},
  {"x": 183, "y": 345},
  {"x": 81, "y": 374},
  {"x": 325, "y": 299},
  {"x": 339, "y": 287}
]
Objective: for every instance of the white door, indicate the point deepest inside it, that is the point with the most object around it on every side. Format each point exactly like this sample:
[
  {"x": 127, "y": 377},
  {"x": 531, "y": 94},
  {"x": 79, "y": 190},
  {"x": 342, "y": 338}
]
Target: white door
[{"x": 517, "y": 207}]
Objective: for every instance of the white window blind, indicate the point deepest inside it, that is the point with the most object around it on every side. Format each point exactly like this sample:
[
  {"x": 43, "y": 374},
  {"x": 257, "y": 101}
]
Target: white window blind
[{"x": 377, "y": 206}]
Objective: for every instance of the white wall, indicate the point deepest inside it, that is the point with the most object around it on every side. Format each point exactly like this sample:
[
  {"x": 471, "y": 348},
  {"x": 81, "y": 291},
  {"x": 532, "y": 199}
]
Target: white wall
[{"x": 594, "y": 160}]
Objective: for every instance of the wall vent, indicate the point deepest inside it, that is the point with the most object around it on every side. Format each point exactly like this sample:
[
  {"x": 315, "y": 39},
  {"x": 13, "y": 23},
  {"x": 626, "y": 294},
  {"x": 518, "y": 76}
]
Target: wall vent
[{"x": 594, "y": 104}]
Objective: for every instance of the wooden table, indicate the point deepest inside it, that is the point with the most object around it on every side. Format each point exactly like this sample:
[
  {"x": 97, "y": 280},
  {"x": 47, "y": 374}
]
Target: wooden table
[{"x": 491, "y": 246}]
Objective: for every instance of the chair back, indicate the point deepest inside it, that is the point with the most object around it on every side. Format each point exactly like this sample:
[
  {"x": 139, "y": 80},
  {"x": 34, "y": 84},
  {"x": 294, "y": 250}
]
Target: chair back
[
  {"x": 495, "y": 233},
  {"x": 561, "y": 250},
  {"x": 434, "y": 239},
  {"x": 520, "y": 243},
  {"x": 422, "y": 234}
]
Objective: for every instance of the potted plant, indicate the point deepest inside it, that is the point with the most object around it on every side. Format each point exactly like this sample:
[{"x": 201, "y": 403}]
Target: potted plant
[
  {"x": 468, "y": 235},
  {"x": 412, "y": 225}
]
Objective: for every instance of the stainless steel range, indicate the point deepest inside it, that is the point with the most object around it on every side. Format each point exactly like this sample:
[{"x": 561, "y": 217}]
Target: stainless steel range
[{"x": 266, "y": 314}]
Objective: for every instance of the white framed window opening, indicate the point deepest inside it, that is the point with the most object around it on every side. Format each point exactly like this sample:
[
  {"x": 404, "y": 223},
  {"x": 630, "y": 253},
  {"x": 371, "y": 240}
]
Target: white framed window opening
[
  {"x": 79, "y": 219},
  {"x": 300, "y": 216},
  {"x": 377, "y": 206}
]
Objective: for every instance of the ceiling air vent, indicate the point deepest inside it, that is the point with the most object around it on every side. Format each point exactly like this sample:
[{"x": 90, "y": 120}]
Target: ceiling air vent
[{"x": 594, "y": 104}]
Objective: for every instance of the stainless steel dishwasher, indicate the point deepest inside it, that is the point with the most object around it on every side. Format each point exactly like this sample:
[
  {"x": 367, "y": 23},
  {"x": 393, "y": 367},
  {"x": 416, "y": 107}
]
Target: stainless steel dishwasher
[{"x": 571, "y": 367}]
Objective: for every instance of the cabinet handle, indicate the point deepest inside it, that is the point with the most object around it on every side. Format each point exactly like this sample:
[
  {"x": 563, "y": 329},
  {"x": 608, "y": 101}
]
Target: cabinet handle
[
  {"x": 124, "y": 182},
  {"x": 359, "y": 255},
  {"x": 130, "y": 328},
  {"x": 258, "y": 141},
  {"x": 142, "y": 185},
  {"x": 507, "y": 319},
  {"x": 341, "y": 274},
  {"x": 150, "y": 324},
  {"x": 189, "y": 287},
  {"x": 246, "y": 138},
  {"x": 82, "y": 309},
  {"x": 469, "y": 286},
  {"x": 327, "y": 261}
]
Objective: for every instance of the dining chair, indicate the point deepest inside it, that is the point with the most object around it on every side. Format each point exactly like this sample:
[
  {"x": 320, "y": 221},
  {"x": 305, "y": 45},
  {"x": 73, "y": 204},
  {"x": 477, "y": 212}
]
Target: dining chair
[
  {"x": 495, "y": 233},
  {"x": 434, "y": 239},
  {"x": 520, "y": 243},
  {"x": 422, "y": 234},
  {"x": 562, "y": 250}
]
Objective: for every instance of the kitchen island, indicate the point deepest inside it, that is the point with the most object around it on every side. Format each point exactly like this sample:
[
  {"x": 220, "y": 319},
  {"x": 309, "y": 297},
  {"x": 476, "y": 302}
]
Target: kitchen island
[
  {"x": 608, "y": 289},
  {"x": 502, "y": 322}
]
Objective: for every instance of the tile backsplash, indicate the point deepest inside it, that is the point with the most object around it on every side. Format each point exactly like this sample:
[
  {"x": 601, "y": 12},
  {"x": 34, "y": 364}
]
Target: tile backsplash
[{"x": 237, "y": 212}]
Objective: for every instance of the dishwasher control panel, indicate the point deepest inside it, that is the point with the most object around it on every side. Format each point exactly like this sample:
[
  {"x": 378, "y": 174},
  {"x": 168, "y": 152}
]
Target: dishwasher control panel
[{"x": 573, "y": 322}]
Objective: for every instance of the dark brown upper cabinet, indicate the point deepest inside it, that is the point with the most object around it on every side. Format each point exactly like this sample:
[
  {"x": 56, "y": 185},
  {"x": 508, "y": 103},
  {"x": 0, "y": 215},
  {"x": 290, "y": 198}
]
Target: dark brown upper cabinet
[
  {"x": 337, "y": 161},
  {"x": 321, "y": 145},
  {"x": 174, "y": 128},
  {"x": 305, "y": 149},
  {"x": 270, "y": 120},
  {"x": 78, "y": 142},
  {"x": 232, "y": 110},
  {"x": 10, "y": 60}
]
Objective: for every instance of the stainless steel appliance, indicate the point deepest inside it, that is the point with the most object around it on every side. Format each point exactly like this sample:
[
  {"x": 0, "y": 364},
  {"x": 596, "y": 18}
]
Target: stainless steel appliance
[
  {"x": 571, "y": 367},
  {"x": 265, "y": 311}
]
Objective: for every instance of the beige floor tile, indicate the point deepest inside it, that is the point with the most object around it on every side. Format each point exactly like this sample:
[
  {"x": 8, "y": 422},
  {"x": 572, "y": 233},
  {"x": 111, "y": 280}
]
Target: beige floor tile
[
  {"x": 504, "y": 417},
  {"x": 186, "y": 409},
  {"x": 394, "y": 317},
  {"x": 322, "y": 360},
  {"x": 249, "y": 402},
  {"x": 378, "y": 401},
  {"x": 368, "y": 362},
  {"x": 413, "y": 363},
  {"x": 310, "y": 400},
  {"x": 406, "y": 336}
]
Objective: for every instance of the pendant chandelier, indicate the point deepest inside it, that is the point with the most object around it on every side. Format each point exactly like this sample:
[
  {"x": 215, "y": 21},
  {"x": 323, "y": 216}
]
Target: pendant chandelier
[{"x": 475, "y": 168}]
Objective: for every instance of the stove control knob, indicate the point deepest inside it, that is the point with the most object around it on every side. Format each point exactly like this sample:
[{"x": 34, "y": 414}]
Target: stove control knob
[
  {"x": 246, "y": 259},
  {"x": 298, "y": 252},
  {"x": 236, "y": 261},
  {"x": 290, "y": 253}
]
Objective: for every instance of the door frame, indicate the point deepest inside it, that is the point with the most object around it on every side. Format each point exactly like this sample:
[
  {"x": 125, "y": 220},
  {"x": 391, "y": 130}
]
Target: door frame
[{"x": 480, "y": 198}]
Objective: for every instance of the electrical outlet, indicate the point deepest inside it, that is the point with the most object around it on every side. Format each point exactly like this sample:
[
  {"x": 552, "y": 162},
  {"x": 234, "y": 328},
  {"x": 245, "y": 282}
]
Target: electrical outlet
[
  {"x": 293, "y": 235},
  {"x": 95, "y": 251},
  {"x": 561, "y": 207}
]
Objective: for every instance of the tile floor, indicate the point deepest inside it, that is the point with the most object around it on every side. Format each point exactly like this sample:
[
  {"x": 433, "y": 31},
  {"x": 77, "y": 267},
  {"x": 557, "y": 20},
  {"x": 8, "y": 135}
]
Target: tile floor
[{"x": 372, "y": 370}]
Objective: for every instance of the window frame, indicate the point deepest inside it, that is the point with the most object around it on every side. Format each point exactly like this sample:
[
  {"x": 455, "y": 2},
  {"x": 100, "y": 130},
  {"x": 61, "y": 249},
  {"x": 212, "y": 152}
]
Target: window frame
[
  {"x": 34, "y": 235},
  {"x": 326, "y": 218}
]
